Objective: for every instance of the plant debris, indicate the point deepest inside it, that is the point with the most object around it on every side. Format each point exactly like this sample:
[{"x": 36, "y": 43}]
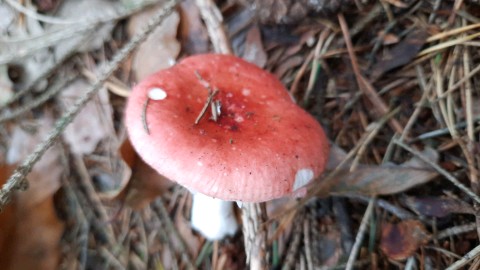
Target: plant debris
[{"x": 394, "y": 83}]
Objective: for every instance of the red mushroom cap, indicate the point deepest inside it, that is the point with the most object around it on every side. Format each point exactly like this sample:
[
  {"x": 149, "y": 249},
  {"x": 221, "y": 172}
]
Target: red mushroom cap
[{"x": 262, "y": 145}]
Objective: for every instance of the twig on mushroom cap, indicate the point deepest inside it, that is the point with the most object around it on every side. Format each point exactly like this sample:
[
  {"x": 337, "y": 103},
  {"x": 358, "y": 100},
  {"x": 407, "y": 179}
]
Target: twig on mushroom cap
[{"x": 211, "y": 95}]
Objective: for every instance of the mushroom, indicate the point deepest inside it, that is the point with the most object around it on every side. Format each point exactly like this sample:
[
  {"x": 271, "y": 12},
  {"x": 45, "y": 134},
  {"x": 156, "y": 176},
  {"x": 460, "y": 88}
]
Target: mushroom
[{"x": 227, "y": 131}]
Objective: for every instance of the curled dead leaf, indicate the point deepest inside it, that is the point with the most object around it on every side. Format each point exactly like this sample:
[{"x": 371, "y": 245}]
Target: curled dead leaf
[
  {"x": 23, "y": 142},
  {"x": 400, "y": 241},
  {"x": 160, "y": 49},
  {"x": 144, "y": 184},
  {"x": 379, "y": 180},
  {"x": 92, "y": 124},
  {"x": 376, "y": 180},
  {"x": 194, "y": 35},
  {"x": 30, "y": 230},
  {"x": 437, "y": 206},
  {"x": 401, "y": 54},
  {"x": 254, "y": 51}
]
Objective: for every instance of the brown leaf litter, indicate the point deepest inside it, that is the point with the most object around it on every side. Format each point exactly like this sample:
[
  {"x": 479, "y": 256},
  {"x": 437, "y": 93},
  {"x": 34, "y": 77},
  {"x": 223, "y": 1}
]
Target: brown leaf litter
[{"x": 406, "y": 68}]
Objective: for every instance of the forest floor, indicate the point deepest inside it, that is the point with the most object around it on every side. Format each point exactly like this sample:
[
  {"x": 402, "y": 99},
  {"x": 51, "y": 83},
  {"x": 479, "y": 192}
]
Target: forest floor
[{"x": 392, "y": 82}]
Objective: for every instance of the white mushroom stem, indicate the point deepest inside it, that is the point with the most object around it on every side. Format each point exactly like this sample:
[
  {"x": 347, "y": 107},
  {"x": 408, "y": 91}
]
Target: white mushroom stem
[{"x": 213, "y": 218}]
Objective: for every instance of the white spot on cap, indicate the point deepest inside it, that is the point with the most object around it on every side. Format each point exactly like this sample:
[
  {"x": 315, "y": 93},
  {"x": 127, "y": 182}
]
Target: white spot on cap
[
  {"x": 246, "y": 91},
  {"x": 157, "y": 94},
  {"x": 199, "y": 163},
  {"x": 302, "y": 177},
  {"x": 238, "y": 119}
]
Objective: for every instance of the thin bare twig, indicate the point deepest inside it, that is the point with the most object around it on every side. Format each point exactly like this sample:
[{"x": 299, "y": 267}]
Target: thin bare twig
[
  {"x": 213, "y": 20},
  {"x": 474, "y": 253},
  {"x": 211, "y": 95},
  {"x": 456, "y": 230},
  {"x": 360, "y": 234},
  {"x": 17, "y": 179}
]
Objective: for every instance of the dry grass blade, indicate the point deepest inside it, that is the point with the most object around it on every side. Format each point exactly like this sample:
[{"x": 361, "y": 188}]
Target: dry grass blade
[
  {"x": 474, "y": 253},
  {"x": 448, "y": 44},
  {"x": 453, "y": 32},
  {"x": 361, "y": 232}
]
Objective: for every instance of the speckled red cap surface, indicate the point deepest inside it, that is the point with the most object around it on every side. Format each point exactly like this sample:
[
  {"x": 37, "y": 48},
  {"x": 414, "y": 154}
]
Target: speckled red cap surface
[{"x": 262, "y": 146}]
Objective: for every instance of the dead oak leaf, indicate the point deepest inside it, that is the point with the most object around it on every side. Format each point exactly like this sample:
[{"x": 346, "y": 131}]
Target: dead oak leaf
[
  {"x": 400, "y": 241},
  {"x": 44, "y": 180},
  {"x": 376, "y": 180},
  {"x": 438, "y": 207},
  {"x": 160, "y": 49},
  {"x": 142, "y": 184},
  {"x": 92, "y": 124},
  {"x": 193, "y": 34},
  {"x": 30, "y": 230}
]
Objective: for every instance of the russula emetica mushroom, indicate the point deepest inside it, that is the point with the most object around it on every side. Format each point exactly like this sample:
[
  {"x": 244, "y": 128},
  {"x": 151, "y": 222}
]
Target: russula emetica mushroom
[{"x": 227, "y": 131}]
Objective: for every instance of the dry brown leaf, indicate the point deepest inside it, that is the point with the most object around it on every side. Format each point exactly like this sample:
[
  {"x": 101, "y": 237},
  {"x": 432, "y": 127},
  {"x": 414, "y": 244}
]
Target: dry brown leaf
[
  {"x": 389, "y": 39},
  {"x": 94, "y": 122},
  {"x": 82, "y": 10},
  {"x": 30, "y": 230},
  {"x": 254, "y": 51},
  {"x": 401, "y": 54},
  {"x": 437, "y": 206},
  {"x": 160, "y": 49},
  {"x": 400, "y": 241},
  {"x": 328, "y": 245},
  {"x": 145, "y": 184},
  {"x": 378, "y": 180},
  {"x": 7, "y": 217},
  {"x": 194, "y": 35},
  {"x": 33, "y": 242},
  {"x": 41, "y": 185}
]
